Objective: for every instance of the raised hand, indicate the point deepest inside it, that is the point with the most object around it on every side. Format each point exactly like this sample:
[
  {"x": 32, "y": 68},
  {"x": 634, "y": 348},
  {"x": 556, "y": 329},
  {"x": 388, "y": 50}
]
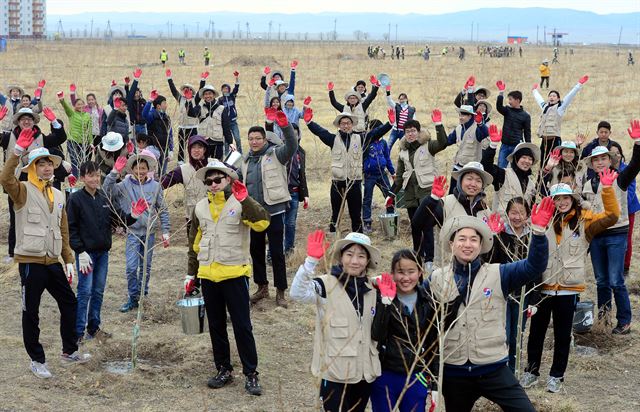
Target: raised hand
[
  {"x": 281, "y": 119},
  {"x": 49, "y": 114},
  {"x": 127, "y": 80},
  {"x": 236, "y": 73},
  {"x": 316, "y": 245},
  {"x": 387, "y": 288},
  {"x": 495, "y": 223},
  {"x": 392, "y": 115},
  {"x": 554, "y": 158},
  {"x": 471, "y": 81},
  {"x": 542, "y": 213},
  {"x": 272, "y": 81},
  {"x": 634, "y": 130},
  {"x": 130, "y": 147},
  {"x": 139, "y": 207},
  {"x": 374, "y": 80},
  {"x": 535, "y": 86},
  {"x": 153, "y": 95},
  {"x": 60, "y": 95},
  {"x": 72, "y": 88},
  {"x": 500, "y": 85},
  {"x": 204, "y": 75},
  {"x": 267, "y": 70},
  {"x": 167, "y": 73},
  {"x": 25, "y": 139},
  {"x": 41, "y": 83},
  {"x": 120, "y": 163},
  {"x": 37, "y": 93},
  {"x": 113, "y": 83},
  {"x": 188, "y": 94},
  {"x": 436, "y": 116},
  {"x": 607, "y": 177},
  {"x": 495, "y": 134},
  {"x": 239, "y": 190},
  {"x": 580, "y": 139},
  {"x": 294, "y": 64},
  {"x": 330, "y": 86},
  {"x": 3, "y": 112},
  {"x": 137, "y": 73},
  {"x": 307, "y": 114},
  {"x": 388, "y": 88},
  {"x": 583, "y": 79},
  {"x": 439, "y": 187},
  {"x": 270, "y": 113},
  {"x": 307, "y": 101},
  {"x": 478, "y": 117}
]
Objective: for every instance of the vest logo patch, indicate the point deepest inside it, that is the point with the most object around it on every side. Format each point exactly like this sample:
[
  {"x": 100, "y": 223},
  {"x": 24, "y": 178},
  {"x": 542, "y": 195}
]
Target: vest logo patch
[
  {"x": 373, "y": 311},
  {"x": 487, "y": 292},
  {"x": 59, "y": 205},
  {"x": 232, "y": 212},
  {"x": 355, "y": 145}
]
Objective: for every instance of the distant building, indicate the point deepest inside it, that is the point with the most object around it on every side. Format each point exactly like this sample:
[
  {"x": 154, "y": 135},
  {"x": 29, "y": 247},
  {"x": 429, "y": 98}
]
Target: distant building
[
  {"x": 22, "y": 18},
  {"x": 517, "y": 39}
]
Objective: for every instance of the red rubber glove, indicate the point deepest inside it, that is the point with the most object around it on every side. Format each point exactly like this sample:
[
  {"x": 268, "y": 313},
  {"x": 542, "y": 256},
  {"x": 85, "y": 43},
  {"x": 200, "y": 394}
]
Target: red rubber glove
[
  {"x": 41, "y": 83},
  {"x": 294, "y": 64},
  {"x": 307, "y": 100},
  {"x": 439, "y": 187},
  {"x": 316, "y": 245},
  {"x": 607, "y": 177},
  {"x": 167, "y": 73},
  {"x": 495, "y": 134},
  {"x": 535, "y": 86},
  {"x": 501, "y": 86},
  {"x": 204, "y": 75},
  {"x": 153, "y": 95},
  {"x": 479, "y": 118},
  {"x": 120, "y": 163},
  {"x": 72, "y": 88},
  {"x": 374, "y": 80},
  {"x": 272, "y": 82},
  {"x": 542, "y": 213},
  {"x": 305, "y": 204},
  {"x": 130, "y": 147},
  {"x": 281, "y": 119},
  {"x": 387, "y": 288},
  {"x": 634, "y": 130},
  {"x": 307, "y": 114},
  {"x": 117, "y": 102},
  {"x": 388, "y": 202},
  {"x": 267, "y": 70},
  {"x": 72, "y": 180},
  {"x": 388, "y": 88},
  {"x": 270, "y": 113},
  {"x": 495, "y": 223},
  {"x": 60, "y": 95},
  {"x": 189, "y": 284},
  {"x": 188, "y": 94},
  {"x": 583, "y": 79},
  {"x": 127, "y": 80},
  {"x": 434, "y": 401},
  {"x": 137, "y": 73},
  {"x": 139, "y": 207},
  {"x": 392, "y": 115},
  {"x": 3, "y": 112},
  {"x": 37, "y": 93},
  {"x": 25, "y": 139},
  {"x": 436, "y": 116},
  {"x": 554, "y": 157},
  {"x": 471, "y": 81},
  {"x": 236, "y": 73},
  {"x": 239, "y": 190},
  {"x": 330, "y": 86},
  {"x": 113, "y": 83},
  {"x": 165, "y": 240},
  {"x": 49, "y": 114}
]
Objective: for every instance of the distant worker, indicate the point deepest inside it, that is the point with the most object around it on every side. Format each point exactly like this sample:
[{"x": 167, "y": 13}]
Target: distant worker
[
  {"x": 555, "y": 55},
  {"x": 164, "y": 56},
  {"x": 181, "y": 55},
  {"x": 545, "y": 72},
  {"x": 207, "y": 56},
  {"x": 520, "y": 51},
  {"x": 630, "y": 61}
]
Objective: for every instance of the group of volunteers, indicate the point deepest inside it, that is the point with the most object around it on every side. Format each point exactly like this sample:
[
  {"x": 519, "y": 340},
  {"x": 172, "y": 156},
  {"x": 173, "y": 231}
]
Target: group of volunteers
[{"x": 450, "y": 310}]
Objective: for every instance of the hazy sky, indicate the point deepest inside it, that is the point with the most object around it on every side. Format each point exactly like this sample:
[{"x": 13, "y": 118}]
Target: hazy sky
[{"x": 316, "y": 6}]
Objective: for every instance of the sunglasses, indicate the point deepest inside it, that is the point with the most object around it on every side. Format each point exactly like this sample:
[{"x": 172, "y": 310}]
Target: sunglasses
[{"x": 211, "y": 180}]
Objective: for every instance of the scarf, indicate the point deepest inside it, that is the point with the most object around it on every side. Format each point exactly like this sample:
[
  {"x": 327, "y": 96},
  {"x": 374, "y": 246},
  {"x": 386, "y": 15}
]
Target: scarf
[{"x": 43, "y": 185}]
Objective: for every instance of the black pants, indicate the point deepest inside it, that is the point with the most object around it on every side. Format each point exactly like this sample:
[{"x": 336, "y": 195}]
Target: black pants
[
  {"x": 12, "y": 228},
  {"x": 353, "y": 200},
  {"x": 547, "y": 145},
  {"x": 501, "y": 387},
  {"x": 542, "y": 80},
  {"x": 562, "y": 309},
  {"x": 423, "y": 242},
  {"x": 206, "y": 61},
  {"x": 275, "y": 233},
  {"x": 231, "y": 295},
  {"x": 35, "y": 279},
  {"x": 183, "y": 139},
  {"x": 215, "y": 149},
  {"x": 342, "y": 397}
]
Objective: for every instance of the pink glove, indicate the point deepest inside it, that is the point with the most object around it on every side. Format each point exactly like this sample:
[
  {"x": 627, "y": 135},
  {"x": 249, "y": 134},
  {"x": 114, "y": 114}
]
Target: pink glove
[
  {"x": 49, "y": 114},
  {"x": 471, "y": 81},
  {"x": 127, "y": 80},
  {"x": 495, "y": 134},
  {"x": 272, "y": 81},
  {"x": 495, "y": 223},
  {"x": 535, "y": 86},
  {"x": 479, "y": 118},
  {"x": 165, "y": 240},
  {"x": 307, "y": 114},
  {"x": 26, "y": 138},
  {"x": 38, "y": 93},
  {"x": 554, "y": 158},
  {"x": 239, "y": 190},
  {"x": 188, "y": 94},
  {"x": 374, "y": 80},
  {"x": 439, "y": 186},
  {"x": 153, "y": 95},
  {"x": 387, "y": 288},
  {"x": 316, "y": 245},
  {"x": 267, "y": 70},
  {"x": 137, "y": 73},
  {"x": 189, "y": 284},
  {"x": 117, "y": 102},
  {"x": 3, "y": 112},
  {"x": 607, "y": 177},
  {"x": 60, "y": 95},
  {"x": 120, "y": 163},
  {"x": 542, "y": 213},
  {"x": 330, "y": 86},
  {"x": 436, "y": 116},
  {"x": 634, "y": 130},
  {"x": 204, "y": 75},
  {"x": 113, "y": 83},
  {"x": 281, "y": 119},
  {"x": 307, "y": 101},
  {"x": 388, "y": 88},
  {"x": 270, "y": 113},
  {"x": 305, "y": 204},
  {"x": 139, "y": 207},
  {"x": 501, "y": 86},
  {"x": 167, "y": 73},
  {"x": 392, "y": 115},
  {"x": 72, "y": 88},
  {"x": 388, "y": 202},
  {"x": 583, "y": 79},
  {"x": 236, "y": 73},
  {"x": 72, "y": 180},
  {"x": 294, "y": 64},
  {"x": 41, "y": 83},
  {"x": 130, "y": 147}
]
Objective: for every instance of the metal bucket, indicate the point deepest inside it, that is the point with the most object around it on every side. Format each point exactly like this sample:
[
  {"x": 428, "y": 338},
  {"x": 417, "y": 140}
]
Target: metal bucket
[
  {"x": 384, "y": 79},
  {"x": 389, "y": 222},
  {"x": 193, "y": 315},
  {"x": 234, "y": 159},
  {"x": 583, "y": 317}
]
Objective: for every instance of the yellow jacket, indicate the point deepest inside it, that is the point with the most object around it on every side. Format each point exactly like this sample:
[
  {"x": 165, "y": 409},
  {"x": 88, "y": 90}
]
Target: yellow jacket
[{"x": 545, "y": 71}]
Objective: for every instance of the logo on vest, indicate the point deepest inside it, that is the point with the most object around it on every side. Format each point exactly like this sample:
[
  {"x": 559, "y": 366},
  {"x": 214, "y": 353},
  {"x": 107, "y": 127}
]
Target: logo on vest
[
  {"x": 232, "y": 212},
  {"x": 373, "y": 311},
  {"x": 355, "y": 145},
  {"x": 487, "y": 292},
  {"x": 59, "y": 205}
]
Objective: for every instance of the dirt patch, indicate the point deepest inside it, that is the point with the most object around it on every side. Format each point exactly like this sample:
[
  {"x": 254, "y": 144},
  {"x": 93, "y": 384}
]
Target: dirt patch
[{"x": 243, "y": 60}]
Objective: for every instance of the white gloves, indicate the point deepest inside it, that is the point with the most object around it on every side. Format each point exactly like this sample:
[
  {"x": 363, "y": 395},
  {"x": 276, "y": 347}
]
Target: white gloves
[
  {"x": 69, "y": 271},
  {"x": 85, "y": 263}
]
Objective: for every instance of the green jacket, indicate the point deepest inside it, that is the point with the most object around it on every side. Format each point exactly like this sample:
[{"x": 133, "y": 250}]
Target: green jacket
[{"x": 80, "y": 125}]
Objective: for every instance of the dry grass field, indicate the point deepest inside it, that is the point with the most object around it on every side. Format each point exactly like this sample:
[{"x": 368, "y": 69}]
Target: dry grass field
[{"x": 174, "y": 368}]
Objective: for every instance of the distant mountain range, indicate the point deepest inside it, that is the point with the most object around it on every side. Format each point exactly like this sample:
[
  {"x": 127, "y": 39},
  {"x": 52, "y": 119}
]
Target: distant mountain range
[{"x": 489, "y": 25}]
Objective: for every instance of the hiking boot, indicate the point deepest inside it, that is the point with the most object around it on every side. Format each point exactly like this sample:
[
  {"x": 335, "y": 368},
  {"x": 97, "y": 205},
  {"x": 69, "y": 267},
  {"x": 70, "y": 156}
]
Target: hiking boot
[
  {"x": 280, "y": 299},
  {"x": 130, "y": 305},
  {"x": 366, "y": 228},
  {"x": 554, "y": 385},
  {"x": 332, "y": 228},
  {"x": 528, "y": 380},
  {"x": 252, "y": 385},
  {"x": 622, "y": 329},
  {"x": 100, "y": 335},
  {"x": 74, "y": 358},
  {"x": 40, "y": 370},
  {"x": 261, "y": 293},
  {"x": 223, "y": 377}
]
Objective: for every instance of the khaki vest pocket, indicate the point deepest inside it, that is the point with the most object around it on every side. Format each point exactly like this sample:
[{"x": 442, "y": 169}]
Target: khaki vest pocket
[{"x": 34, "y": 239}]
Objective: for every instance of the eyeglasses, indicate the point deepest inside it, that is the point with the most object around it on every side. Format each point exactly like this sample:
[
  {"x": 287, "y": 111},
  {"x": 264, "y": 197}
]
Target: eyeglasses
[{"x": 216, "y": 180}]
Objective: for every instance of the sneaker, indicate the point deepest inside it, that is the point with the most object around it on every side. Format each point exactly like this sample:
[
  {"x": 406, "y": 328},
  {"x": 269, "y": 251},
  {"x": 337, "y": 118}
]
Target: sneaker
[
  {"x": 40, "y": 370},
  {"x": 8, "y": 260},
  {"x": 622, "y": 329},
  {"x": 554, "y": 385},
  {"x": 223, "y": 377},
  {"x": 366, "y": 228},
  {"x": 130, "y": 305},
  {"x": 100, "y": 335},
  {"x": 75, "y": 358},
  {"x": 252, "y": 385},
  {"x": 528, "y": 380}
]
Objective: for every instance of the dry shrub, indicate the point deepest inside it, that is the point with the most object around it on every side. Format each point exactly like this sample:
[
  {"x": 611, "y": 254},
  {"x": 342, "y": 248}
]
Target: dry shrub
[{"x": 250, "y": 61}]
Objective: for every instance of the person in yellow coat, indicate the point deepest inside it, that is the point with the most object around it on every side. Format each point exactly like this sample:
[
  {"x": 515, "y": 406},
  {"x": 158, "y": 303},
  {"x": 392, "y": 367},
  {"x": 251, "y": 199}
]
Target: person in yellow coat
[{"x": 545, "y": 72}]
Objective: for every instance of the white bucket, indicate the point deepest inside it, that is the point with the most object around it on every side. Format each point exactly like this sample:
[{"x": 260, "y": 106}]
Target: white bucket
[
  {"x": 389, "y": 222},
  {"x": 193, "y": 315},
  {"x": 233, "y": 158}
]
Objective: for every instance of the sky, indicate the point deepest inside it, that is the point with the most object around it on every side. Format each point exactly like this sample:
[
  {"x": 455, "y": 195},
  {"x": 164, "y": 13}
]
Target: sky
[{"x": 316, "y": 6}]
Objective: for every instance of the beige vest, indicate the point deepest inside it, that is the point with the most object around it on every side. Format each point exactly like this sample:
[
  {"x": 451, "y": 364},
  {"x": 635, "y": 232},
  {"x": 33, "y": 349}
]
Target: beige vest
[
  {"x": 566, "y": 264},
  {"x": 7, "y": 123},
  {"x": 343, "y": 351},
  {"x": 37, "y": 229},
  {"x": 595, "y": 199},
  {"x": 346, "y": 163},
  {"x": 511, "y": 188},
  {"x": 424, "y": 166},
  {"x": 225, "y": 241},
  {"x": 478, "y": 335},
  {"x": 550, "y": 122},
  {"x": 275, "y": 187},
  {"x": 194, "y": 188},
  {"x": 211, "y": 124},
  {"x": 38, "y": 142},
  {"x": 580, "y": 173},
  {"x": 469, "y": 148},
  {"x": 184, "y": 120},
  {"x": 358, "y": 112}
]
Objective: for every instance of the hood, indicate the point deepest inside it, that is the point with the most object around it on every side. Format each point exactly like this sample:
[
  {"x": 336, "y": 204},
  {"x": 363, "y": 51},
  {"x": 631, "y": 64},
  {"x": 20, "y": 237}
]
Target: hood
[
  {"x": 288, "y": 97},
  {"x": 198, "y": 139},
  {"x": 423, "y": 137}
]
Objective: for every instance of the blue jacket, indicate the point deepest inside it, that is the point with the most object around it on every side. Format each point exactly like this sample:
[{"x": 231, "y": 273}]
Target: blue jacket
[
  {"x": 633, "y": 204},
  {"x": 229, "y": 102},
  {"x": 294, "y": 114},
  {"x": 377, "y": 159}
]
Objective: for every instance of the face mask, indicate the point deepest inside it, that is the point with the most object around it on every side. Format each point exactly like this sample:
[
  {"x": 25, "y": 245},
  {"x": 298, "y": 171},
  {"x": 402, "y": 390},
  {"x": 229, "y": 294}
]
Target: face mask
[
  {"x": 404, "y": 105},
  {"x": 227, "y": 94}
]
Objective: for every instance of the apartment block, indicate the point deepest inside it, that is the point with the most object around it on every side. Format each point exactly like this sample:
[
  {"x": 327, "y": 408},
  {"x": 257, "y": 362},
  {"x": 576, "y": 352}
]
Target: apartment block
[{"x": 22, "y": 18}]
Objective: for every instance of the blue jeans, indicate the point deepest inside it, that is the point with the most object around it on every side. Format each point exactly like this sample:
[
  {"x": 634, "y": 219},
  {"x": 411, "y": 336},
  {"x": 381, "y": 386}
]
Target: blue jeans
[
  {"x": 90, "y": 293},
  {"x": 396, "y": 134},
  {"x": 134, "y": 253},
  {"x": 607, "y": 258},
  {"x": 290, "y": 217},
  {"x": 386, "y": 389},
  {"x": 370, "y": 181},
  {"x": 141, "y": 129},
  {"x": 235, "y": 131},
  {"x": 505, "y": 150},
  {"x": 513, "y": 311}
]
